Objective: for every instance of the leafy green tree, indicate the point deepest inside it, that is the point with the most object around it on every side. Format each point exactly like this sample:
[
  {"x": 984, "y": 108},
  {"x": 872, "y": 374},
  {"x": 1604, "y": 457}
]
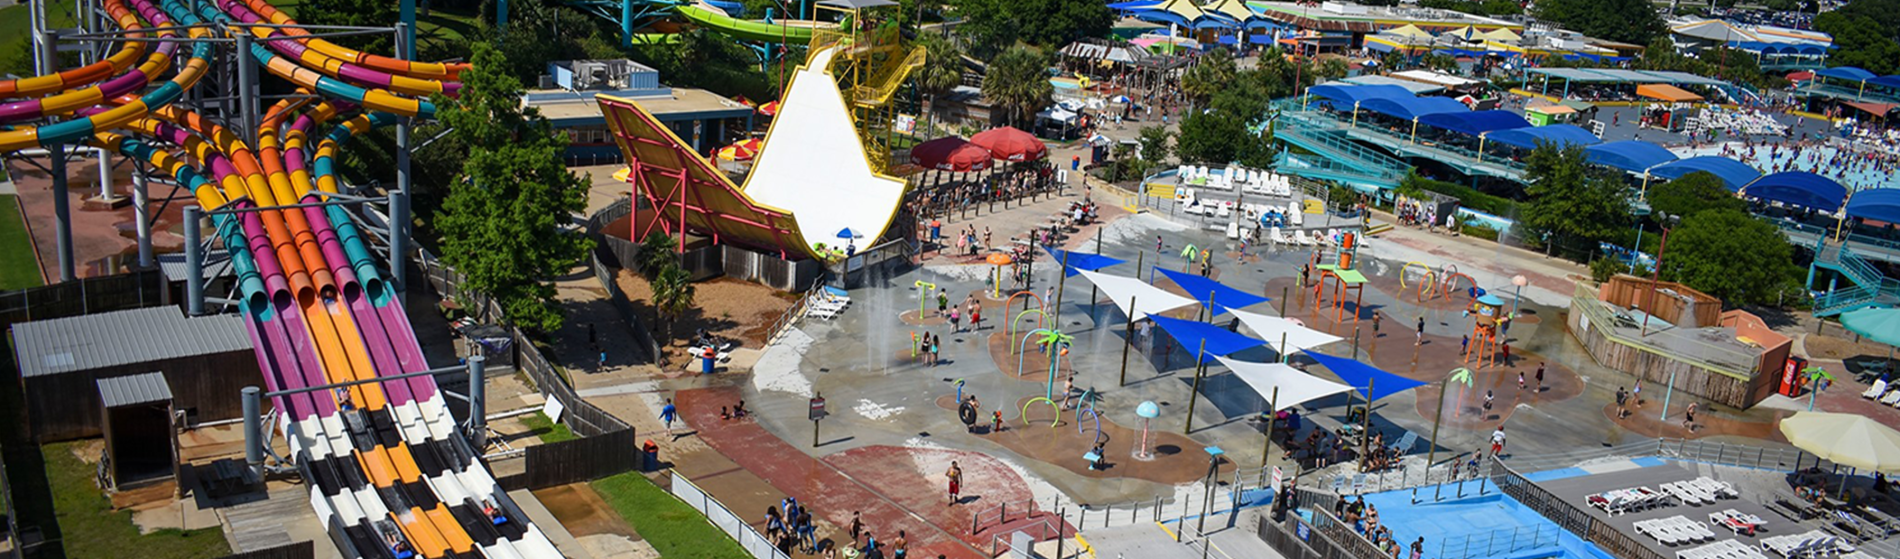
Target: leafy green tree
[
  {"x": 1629, "y": 21},
  {"x": 1571, "y": 203},
  {"x": 1154, "y": 142},
  {"x": 1213, "y": 73},
  {"x": 943, "y": 66},
  {"x": 988, "y": 26},
  {"x": 673, "y": 295},
  {"x": 1692, "y": 194},
  {"x": 1018, "y": 83},
  {"x": 1730, "y": 255},
  {"x": 358, "y": 13},
  {"x": 1223, "y": 133},
  {"x": 1863, "y": 41},
  {"x": 507, "y": 220},
  {"x": 995, "y": 25}
]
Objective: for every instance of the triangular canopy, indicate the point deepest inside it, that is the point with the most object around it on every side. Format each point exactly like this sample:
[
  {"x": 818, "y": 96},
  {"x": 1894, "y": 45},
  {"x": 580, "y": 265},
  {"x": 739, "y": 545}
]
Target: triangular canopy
[
  {"x": 1148, "y": 299},
  {"x": 1408, "y": 30},
  {"x": 1191, "y": 333},
  {"x": 1201, "y": 289},
  {"x": 1236, "y": 9},
  {"x": 1367, "y": 379},
  {"x": 1295, "y": 387},
  {"x": 1080, "y": 261},
  {"x": 1880, "y": 325},
  {"x": 1503, "y": 35},
  {"x": 1464, "y": 33},
  {"x": 1271, "y": 328}
]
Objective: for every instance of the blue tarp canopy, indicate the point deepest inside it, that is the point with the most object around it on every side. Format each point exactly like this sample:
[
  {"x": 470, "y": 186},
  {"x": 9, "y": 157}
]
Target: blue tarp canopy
[
  {"x": 1886, "y": 81},
  {"x": 1081, "y": 260},
  {"x": 1734, "y": 174},
  {"x": 1799, "y": 188},
  {"x": 1346, "y": 95},
  {"x": 1629, "y": 155},
  {"x": 1848, "y": 73},
  {"x": 1409, "y": 108},
  {"x": 1560, "y": 134},
  {"x": 1778, "y": 48},
  {"x": 1476, "y": 123},
  {"x": 1200, "y": 288},
  {"x": 1370, "y": 381},
  {"x": 1882, "y": 204},
  {"x": 1191, "y": 333}
]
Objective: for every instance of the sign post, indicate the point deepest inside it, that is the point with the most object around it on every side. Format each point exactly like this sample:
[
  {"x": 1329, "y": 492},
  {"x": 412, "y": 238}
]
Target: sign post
[{"x": 817, "y": 413}]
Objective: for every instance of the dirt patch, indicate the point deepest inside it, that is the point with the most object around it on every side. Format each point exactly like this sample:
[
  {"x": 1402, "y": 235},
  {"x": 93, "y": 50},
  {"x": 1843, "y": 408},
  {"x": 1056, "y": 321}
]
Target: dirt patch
[
  {"x": 582, "y": 512},
  {"x": 725, "y": 307}
]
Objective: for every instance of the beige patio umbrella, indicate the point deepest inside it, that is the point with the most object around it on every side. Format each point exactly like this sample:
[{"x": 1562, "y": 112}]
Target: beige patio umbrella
[{"x": 1845, "y": 439}]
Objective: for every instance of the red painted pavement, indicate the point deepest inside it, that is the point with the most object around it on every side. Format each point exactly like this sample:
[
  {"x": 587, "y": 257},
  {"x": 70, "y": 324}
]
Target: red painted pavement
[{"x": 818, "y": 485}]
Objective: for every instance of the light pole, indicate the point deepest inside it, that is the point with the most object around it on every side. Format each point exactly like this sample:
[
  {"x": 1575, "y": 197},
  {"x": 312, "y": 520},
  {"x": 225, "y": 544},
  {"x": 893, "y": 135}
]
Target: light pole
[
  {"x": 1656, "y": 276},
  {"x": 1517, "y": 298}
]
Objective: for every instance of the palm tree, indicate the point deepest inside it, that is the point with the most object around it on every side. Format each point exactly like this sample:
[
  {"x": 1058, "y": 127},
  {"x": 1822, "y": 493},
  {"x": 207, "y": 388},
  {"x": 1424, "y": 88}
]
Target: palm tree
[
  {"x": 1057, "y": 344},
  {"x": 673, "y": 294},
  {"x": 943, "y": 67},
  {"x": 656, "y": 251},
  {"x": 1018, "y": 82},
  {"x": 1212, "y": 74}
]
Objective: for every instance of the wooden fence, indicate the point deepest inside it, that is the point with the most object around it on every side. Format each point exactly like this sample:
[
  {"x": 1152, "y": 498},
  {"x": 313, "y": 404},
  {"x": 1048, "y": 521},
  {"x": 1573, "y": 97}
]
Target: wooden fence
[
  {"x": 577, "y": 460},
  {"x": 1590, "y": 321},
  {"x": 299, "y": 550},
  {"x": 134, "y": 290}
]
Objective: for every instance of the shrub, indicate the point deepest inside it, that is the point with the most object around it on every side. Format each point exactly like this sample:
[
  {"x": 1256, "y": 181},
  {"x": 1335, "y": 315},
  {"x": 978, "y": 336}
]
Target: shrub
[{"x": 1602, "y": 269}]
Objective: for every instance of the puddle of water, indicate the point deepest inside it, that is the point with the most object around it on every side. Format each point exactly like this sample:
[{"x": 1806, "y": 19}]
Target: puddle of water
[{"x": 582, "y": 512}]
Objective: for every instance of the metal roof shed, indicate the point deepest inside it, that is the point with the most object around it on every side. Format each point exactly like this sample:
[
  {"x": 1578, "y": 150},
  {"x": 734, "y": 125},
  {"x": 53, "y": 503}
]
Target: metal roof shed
[
  {"x": 141, "y": 446},
  {"x": 205, "y": 360}
]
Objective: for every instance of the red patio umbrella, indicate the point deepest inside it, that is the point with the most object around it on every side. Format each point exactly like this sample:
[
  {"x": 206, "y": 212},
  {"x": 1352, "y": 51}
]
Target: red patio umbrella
[
  {"x": 769, "y": 109},
  {"x": 1800, "y": 76},
  {"x": 1009, "y": 144},
  {"x": 950, "y": 153}
]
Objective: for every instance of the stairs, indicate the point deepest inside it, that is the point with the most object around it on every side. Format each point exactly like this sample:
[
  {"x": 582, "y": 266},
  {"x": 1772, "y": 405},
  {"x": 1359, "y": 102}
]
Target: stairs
[
  {"x": 1870, "y": 287},
  {"x": 1338, "y": 157}
]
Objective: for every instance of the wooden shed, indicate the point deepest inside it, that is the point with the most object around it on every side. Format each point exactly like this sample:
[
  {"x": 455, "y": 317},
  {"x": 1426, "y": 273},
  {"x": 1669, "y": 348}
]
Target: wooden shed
[
  {"x": 141, "y": 446},
  {"x": 206, "y": 361},
  {"x": 1730, "y": 358}
]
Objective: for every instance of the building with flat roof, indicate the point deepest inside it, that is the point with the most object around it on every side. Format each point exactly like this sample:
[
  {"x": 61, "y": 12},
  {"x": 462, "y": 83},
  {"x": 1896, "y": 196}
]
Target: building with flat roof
[
  {"x": 566, "y": 99},
  {"x": 205, "y": 361}
]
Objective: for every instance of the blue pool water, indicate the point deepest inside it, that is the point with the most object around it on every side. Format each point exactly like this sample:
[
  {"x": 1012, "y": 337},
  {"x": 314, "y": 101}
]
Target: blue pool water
[
  {"x": 1855, "y": 176},
  {"x": 1487, "y": 526}
]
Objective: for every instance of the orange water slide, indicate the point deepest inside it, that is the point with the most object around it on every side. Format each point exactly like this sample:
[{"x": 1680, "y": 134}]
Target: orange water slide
[
  {"x": 272, "y": 161},
  {"x": 398, "y": 66},
  {"x": 277, "y": 223},
  {"x": 128, "y": 53}
]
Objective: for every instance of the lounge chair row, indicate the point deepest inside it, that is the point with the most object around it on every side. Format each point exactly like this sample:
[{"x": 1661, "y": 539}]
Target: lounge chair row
[
  {"x": 1699, "y": 491},
  {"x": 1725, "y": 549},
  {"x": 1675, "y": 530},
  {"x": 1627, "y": 500},
  {"x": 1737, "y": 522},
  {"x": 1884, "y": 393},
  {"x": 1810, "y": 544}
]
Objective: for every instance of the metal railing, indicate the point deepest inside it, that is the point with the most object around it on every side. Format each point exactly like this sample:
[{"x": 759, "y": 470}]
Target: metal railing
[
  {"x": 1039, "y": 532},
  {"x": 733, "y": 525},
  {"x": 1337, "y": 145},
  {"x": 1491, "y": 543}
]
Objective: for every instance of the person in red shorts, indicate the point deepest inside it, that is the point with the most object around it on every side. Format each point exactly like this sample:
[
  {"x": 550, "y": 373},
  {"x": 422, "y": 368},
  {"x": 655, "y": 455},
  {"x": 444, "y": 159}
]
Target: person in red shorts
[{"x": 955, "y": 474}]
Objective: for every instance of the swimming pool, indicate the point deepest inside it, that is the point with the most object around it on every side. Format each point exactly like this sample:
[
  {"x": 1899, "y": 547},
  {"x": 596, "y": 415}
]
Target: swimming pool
[
  {"x": 1856, "y": 176},
  {"x": 1487, "y": 525}
]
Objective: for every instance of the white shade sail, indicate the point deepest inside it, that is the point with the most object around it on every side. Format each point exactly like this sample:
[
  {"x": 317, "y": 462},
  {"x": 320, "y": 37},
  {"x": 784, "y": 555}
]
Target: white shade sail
[
  {"x": 1295, "y": 387},
  {"x": 1270, "y": 328},
  {"x": 1147, "y": 299}
]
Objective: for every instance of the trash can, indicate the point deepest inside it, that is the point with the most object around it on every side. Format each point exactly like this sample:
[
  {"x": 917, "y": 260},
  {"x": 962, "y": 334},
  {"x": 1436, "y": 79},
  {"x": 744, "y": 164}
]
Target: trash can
[
  {"x": 649, "y": 457},
  {"x": 706, "y": 361}
]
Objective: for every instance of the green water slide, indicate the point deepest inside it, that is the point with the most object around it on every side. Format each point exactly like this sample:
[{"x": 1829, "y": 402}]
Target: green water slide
[{"x": 790, "y": 31}]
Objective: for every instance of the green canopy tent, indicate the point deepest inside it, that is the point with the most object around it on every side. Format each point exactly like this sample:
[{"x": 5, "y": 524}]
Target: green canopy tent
[{"x": 1877, "y": 324}]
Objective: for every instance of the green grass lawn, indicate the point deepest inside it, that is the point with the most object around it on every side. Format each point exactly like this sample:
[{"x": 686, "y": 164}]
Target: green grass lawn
[
  {"x": 16, "y": 248},
  {"x": 675, "y": 529},
  {"x": 550, "y": 431},
  {"x": 92, "y": 529}
]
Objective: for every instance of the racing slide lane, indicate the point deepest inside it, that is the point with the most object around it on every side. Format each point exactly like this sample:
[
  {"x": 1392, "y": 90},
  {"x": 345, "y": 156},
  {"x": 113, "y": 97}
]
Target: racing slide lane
[{"x": 796, "y": 31}]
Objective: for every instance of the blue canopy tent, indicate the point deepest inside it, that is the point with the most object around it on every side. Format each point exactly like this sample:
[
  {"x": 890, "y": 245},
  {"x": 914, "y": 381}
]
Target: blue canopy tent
[
  {"x": 1563, "y": 135},
  {"x": 1629, "y": 155},
  {"x": 1891, "y": 82},
  {"x": 1367, "y": 379},
  {"x": 1879, "y": 204},
  {"x": 1799, "y": 188},
  {"x": 1475, "y": 123},
  {"x": 1348, "y": 96},
  {"x": 1734, "y": 174},
  {"x": 1848, "y": 73},
  {"x": 1201, "y": 289},
  {"x": 1192, "y": 333},
  {"x": 1080, "y": 261},
  {"x": 1410, "y": 108}
]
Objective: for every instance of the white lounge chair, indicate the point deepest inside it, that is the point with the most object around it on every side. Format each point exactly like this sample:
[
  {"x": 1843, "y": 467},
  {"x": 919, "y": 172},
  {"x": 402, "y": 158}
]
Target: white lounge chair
[
  {"x": 1892, "y": 398},
  {"x": 1233, "y": 230},
  {"x": 1274, "y": 235},
  {"x": 1875, "y": 391}
]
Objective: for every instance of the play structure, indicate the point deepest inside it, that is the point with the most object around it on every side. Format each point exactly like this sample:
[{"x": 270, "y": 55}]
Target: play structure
[
  {"x": 390, "y": 472},
  {"x": 1487, "y": 319},
  {"x": 825, "y": 140},
  {"x": 1343, "y": 277}
]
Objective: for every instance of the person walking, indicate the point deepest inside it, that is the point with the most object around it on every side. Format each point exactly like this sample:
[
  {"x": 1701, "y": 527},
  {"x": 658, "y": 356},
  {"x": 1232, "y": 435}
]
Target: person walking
[
  {"x": 1487, "y": 403},
  {"x": 1622, "y": 403},
  {"x": 1418, "y": 548},
  {"x": 1497, "y": 442},
  {"x": 976, "y": 316},
  {"x": 899, "y": 545},
  {"x": 668, "y": 413},
  {"x": 857, "y": 527},
  {"x": 1688, "y": 418},
  {"x": 1421, "y": 330},
  {"x": 955, "y": 322},
  {"x": 1464, "y": 345},
  {"x": 1520, "y": 381},
  {"x": 1377, "y": 317},
  {"x": 955, "y": 475},
  {"x": 1540, "y": 376},
  {"x": 943, "y": 302}
]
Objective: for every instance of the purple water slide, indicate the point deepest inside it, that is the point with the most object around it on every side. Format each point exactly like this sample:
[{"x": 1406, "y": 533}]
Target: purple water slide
[{"x": 349, "y": 71}]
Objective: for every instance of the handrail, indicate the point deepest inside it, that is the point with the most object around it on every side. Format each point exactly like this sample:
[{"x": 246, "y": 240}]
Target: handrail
[
  {"x": 1339, "y": 146},
  {"x": 1487, "y": 543}
]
